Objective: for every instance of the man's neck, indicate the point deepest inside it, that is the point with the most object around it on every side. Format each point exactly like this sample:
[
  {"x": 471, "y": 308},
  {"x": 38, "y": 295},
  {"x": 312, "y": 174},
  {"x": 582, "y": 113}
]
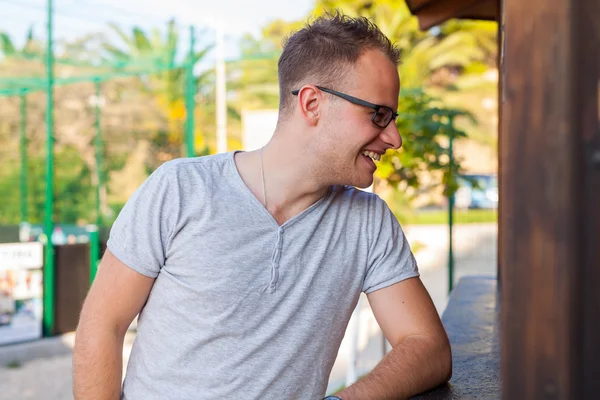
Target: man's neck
[{"x": 291, "y": 180}]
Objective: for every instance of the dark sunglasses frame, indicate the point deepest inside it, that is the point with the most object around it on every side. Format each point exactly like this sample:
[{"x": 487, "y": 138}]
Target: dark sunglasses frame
[{"x": 360, "y": 102}]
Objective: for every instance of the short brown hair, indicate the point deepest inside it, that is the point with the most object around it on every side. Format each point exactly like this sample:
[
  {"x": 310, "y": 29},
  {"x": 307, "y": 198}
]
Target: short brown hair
[{"x": 322, "y": 52}]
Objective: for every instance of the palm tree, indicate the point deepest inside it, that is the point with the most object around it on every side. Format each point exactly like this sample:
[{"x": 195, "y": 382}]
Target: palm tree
[
  {"x": 31, "y": 46},
  {"x": 18, "y": 62},
  {"x": 154, "y": 53},
  {"x": 156, "y": 56}
]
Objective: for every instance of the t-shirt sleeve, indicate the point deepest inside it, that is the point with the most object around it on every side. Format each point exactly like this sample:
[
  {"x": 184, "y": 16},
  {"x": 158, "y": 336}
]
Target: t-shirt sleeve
[
  {"x": 390, "y": 257},
  {"x": 140, "y": 235}
]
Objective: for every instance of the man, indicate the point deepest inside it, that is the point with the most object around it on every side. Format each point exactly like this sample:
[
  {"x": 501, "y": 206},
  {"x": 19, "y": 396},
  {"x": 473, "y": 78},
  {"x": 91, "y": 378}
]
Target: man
[{"x": 245, "y": 267}]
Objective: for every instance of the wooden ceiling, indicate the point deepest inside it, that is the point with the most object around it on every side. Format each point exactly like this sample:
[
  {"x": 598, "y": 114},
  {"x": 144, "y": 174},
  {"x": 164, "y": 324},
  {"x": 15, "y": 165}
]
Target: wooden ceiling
[{"x": 434, "y": 12}]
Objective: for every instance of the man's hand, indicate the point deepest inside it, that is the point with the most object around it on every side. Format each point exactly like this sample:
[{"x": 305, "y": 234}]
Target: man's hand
[{"x": 420, "y": 358}]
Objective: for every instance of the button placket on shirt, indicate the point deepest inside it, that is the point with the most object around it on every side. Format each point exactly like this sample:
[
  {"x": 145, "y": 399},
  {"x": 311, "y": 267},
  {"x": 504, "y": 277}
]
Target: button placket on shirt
[{"x": 276, "y": 259}]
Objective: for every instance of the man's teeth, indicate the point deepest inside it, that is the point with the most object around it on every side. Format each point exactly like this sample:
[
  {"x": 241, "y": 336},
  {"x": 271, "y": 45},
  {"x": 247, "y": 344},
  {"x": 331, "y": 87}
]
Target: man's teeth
[{"x": 371, "y": 154}]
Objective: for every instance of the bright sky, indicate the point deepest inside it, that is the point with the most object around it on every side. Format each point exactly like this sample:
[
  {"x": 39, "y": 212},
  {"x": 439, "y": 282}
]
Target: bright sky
[{"x": 76, "y": 17}]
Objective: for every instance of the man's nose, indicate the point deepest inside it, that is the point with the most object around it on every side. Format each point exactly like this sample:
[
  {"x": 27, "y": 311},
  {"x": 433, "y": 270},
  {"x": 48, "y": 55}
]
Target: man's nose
[{"x": 391, "y": 136}]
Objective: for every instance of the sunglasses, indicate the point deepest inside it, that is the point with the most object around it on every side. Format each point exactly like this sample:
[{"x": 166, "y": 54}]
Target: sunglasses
[{"x": 382, "y": 116}]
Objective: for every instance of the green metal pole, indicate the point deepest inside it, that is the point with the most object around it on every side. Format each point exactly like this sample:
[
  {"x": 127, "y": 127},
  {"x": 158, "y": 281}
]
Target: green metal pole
[
  {"x": 23, "y": 145},
  {"x": 190, "y": 99},
  {"x": 94, "y": 251},
  {"x": 94, "y": 236},
  {"x": 49, "y": 253},
  {"x": 450, "y": 227}
]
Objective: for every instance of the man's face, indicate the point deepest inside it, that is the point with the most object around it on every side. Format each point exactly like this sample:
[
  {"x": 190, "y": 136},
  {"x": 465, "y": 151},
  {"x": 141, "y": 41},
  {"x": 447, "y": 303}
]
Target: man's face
[{"x": 351, "y": 139}]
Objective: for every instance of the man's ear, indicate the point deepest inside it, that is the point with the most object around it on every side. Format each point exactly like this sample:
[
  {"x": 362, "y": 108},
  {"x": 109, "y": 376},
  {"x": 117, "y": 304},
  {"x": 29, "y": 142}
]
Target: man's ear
[{"x": 310, "y": 100}]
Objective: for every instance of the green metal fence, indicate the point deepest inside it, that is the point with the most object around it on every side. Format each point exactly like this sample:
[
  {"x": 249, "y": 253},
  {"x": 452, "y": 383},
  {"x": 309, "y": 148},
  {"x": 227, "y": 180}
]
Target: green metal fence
[{"x": 22, "y": 87}]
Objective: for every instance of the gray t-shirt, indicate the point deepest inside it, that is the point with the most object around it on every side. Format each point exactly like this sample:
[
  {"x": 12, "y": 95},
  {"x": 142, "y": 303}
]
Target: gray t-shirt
[{"x": 241, "y": 306}]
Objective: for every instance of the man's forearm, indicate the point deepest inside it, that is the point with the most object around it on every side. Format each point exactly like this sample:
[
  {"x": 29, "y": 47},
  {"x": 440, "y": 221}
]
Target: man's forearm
[
  {"x": 97, "y": 365},
  {"x": 412, "y": 367}
]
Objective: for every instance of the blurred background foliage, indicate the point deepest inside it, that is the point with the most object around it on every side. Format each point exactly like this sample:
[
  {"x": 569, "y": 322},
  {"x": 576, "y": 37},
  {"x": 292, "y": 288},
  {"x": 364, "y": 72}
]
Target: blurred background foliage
[{"x": 448, "y": 77}]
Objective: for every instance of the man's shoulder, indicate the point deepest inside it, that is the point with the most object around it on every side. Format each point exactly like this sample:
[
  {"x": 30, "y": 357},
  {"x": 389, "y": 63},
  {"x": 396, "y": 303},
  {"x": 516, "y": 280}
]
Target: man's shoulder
[
  {"x": 178, "y": 164},
  {"x": 358, "y": 201},
  {"x": 180, "y": 168},
  {"x": 351, "y": 195}
]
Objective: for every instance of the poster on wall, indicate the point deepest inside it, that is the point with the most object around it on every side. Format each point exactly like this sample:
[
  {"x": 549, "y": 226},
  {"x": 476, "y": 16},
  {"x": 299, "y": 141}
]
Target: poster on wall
[{"x": 20, "y": 292}]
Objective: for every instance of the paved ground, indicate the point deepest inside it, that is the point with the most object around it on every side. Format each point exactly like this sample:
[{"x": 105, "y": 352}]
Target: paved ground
[
  {"x": 42, "y": 370},
  {"x": 475, "y": 253}
]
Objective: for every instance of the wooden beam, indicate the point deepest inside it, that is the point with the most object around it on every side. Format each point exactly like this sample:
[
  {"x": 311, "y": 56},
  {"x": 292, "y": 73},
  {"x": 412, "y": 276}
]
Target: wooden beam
[
  {"x": 586, "y": 103},
  {"x": 549, "y": 200},
  {"x": 488, "y": 10},
  {"x": 415, "y": 6},
  {"x": 435, "y": 13}
]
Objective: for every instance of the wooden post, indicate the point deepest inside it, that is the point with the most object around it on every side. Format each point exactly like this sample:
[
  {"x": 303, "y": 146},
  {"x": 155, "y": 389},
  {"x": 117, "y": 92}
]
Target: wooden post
[
  {"x": 586, "y": 104},
  {"x": 550, "y": 200}
]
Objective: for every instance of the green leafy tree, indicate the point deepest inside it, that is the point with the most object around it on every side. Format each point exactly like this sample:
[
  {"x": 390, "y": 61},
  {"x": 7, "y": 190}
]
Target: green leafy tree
[
  {"x": 30, "y": 47},
  {"x": 426, "y": 126},
  {"x": 73, "y": 191},
  {"x": 254, "y": 76},
  {"x": 153, "y": 51},
  {"x": 131, "y": 114}
]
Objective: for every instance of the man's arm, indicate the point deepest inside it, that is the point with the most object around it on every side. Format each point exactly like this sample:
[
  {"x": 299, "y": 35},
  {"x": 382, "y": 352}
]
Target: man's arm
[
  {"x": 420, "y": 358},
  {"x": 115, "y": 298}
]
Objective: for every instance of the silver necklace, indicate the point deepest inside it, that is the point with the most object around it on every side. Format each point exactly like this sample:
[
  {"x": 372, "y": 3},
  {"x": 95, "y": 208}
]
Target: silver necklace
[{"x": 262, "y": 175}]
